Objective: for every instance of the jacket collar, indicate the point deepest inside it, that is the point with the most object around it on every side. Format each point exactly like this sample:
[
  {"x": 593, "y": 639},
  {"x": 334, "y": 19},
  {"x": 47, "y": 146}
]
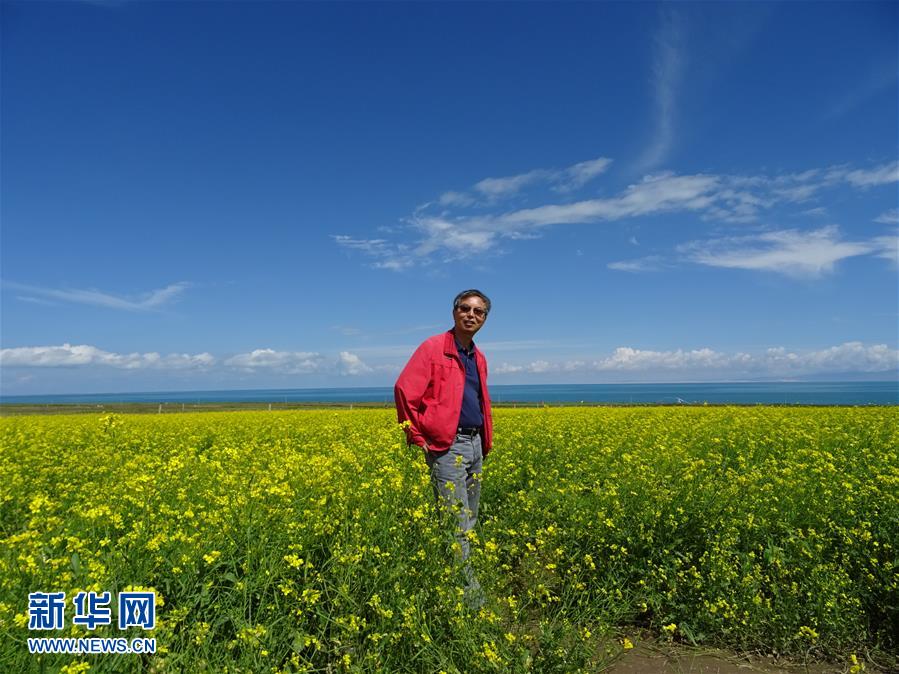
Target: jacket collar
[{"x": 449, "y": 344}]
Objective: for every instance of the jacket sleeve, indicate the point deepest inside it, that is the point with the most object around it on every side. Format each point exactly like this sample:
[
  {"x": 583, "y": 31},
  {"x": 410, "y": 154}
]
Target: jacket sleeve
[{"x": 409, "y": 390}]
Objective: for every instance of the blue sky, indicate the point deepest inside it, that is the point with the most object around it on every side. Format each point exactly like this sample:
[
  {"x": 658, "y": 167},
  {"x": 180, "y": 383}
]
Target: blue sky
[{"x": 213, "y": 195}]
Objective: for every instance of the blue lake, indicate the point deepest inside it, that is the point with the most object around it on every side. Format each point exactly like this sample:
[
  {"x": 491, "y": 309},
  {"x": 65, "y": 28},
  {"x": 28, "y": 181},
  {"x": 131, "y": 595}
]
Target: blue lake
[{"x": 778, "y": 393}]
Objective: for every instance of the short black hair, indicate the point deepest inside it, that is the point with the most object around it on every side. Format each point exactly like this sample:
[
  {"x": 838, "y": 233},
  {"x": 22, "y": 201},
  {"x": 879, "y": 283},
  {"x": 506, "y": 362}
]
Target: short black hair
[{"x": 471, "y": 293}]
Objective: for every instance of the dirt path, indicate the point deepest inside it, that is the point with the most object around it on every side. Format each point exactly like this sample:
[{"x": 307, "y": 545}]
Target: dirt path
[{"x": 648, "y": 657}]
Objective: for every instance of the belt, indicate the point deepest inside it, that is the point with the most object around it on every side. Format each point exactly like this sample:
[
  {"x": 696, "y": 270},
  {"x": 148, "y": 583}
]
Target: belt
[{"x": 469, "y": 430}]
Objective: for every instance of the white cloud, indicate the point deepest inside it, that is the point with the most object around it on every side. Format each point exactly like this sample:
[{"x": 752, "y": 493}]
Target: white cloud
[
  {"x": 455, "y": 199},
  {"x": 36, "y": 300},
  {"x": 258, "y": 360},
  {"x": 534, "y": 367},
  {"x": 68, "y": 355},
  {"x": 882, "y": 175},
  {"x": 457, "y": 232},
  {"x": 850, "y": 356},
  {"x": 390, "y": 256},
  {"x": 648, "y": 263},
  {"x": 146, "y": 302},
  {"x": 497, "y": 188},
  {"x": 773, "y": 362},
  {"x": 492, "y": 190},
  {"x": 466, "y": 242},
  {"x": 888, "y": 247},
  {"x": 395, "y": 264},
  {"x": 626, "y": 358},
  {"x": 350, "y": 364},
  {"x": 654, "y": 194},
  {"x": 575, "y": 177},
  {"x": 790, "y": 252},
  {"x": 703, "y": 362},
  {"x": 890, "y": 217},
  {"x": 291, "y": 362},
  {"x": 539, "y": 366},
  {"x": 370, "y": 246}
]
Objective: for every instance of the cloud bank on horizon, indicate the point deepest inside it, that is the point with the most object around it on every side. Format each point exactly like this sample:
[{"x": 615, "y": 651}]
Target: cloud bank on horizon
[{"x": 703, "y": 363}]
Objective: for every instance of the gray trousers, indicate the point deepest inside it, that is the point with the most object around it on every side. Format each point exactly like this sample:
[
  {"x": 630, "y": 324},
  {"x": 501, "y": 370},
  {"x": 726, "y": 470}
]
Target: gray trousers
[{"x": 456, "y": 479}]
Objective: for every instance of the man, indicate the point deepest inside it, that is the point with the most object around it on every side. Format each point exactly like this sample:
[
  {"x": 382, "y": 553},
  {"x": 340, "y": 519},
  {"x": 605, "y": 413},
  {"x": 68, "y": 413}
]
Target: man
[{"x": 443, "y": 403}]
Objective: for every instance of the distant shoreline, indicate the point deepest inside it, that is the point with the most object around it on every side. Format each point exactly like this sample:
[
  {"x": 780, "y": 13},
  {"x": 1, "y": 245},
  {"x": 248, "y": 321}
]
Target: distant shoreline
[
  {"x": 833, "y": 393},
  {"x": 26, "y": 409}
]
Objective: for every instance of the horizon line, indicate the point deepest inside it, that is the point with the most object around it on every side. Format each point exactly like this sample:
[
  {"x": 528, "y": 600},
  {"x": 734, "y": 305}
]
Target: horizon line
[{"x": 4, "y": 397}]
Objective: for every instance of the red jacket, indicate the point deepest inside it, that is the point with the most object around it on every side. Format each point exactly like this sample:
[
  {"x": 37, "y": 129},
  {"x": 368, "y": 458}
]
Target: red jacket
[{"x": 429, "y": 392}]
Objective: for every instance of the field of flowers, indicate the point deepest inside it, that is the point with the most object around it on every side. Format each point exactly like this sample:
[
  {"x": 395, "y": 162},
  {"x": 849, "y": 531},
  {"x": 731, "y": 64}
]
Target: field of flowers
[{"x": 306, "y": 540}]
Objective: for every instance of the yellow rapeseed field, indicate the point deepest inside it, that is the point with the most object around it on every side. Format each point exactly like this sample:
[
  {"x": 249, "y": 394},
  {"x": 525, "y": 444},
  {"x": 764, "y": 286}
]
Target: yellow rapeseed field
[{"x": 306, "y": 541}]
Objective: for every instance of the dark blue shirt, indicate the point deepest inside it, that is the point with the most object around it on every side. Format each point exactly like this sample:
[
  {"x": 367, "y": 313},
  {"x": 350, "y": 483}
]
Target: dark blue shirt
[{"x": 471, "y": 415}]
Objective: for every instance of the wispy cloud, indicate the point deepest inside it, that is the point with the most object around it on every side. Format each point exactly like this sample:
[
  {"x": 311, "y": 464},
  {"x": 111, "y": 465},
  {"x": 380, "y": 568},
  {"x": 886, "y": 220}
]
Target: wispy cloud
[
  {"x": 790, "y": 252},
  {"x": 879, "y": 79},
  {"x": 149, "y": 301},
  {"x": 347, "y": 330},
  {"x": 890, "y": 217},
  {"x": 456, "y": 199},
  {"x": 68, "y": 355},
  {"x": 447, "y": 234},
  {"x": 642, "y": 264},
  {"x": 776, "y": 361},
  {"x": 463, "y": 236},
  {"x": 498, "y": 188},
  {"x": 393, "y": 256},
  {"x": 669, "y": 61},
  {"x": 881, "y": 175},
  {"x": 36, "y": 300},
  {"x": 489, "y": 191},
  {"x": 818, "y": 211},
  {"x": 654, "y": 194},
  {"x": 888, "y": 247},
  {"x": 578, "y": 175}
]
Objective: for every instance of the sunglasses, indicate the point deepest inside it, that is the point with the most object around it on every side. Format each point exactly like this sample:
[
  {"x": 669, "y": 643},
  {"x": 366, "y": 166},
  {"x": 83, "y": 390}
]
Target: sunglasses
[{"x": 477, "y": 311}]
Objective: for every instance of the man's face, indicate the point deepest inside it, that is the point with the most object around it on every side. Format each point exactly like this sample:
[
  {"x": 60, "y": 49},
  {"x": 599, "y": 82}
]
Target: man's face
[{"x": 470, "y": 315}]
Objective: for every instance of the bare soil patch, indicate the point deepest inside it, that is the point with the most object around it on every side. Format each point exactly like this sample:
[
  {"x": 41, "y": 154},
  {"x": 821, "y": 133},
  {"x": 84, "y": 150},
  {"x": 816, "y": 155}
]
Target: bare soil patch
[{"x": 652, "y": 657}]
